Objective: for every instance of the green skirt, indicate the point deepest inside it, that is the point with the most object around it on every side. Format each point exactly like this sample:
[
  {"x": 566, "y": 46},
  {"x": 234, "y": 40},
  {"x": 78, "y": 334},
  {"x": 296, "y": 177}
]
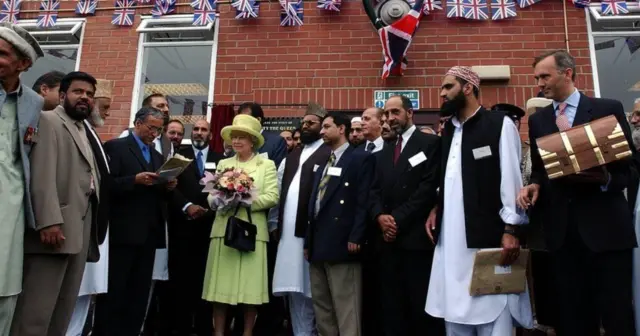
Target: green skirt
[{"x": 235, "y": 277}]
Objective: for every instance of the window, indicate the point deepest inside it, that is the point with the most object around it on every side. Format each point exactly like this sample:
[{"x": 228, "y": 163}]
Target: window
[
  {"x": 61, "y": 45},
  {"x": 615, "y": 54},
  {"x": 177, "y": 60}
]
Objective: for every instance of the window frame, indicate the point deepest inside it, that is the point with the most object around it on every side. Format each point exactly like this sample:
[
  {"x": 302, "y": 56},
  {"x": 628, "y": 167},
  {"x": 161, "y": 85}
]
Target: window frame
[
  {"x": 187, "y": 19},
  {"x": 76, "y": 24}
]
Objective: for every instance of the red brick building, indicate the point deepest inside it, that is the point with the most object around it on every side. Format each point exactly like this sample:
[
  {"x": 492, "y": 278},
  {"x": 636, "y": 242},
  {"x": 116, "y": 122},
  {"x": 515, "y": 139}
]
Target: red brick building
[{"x": 334, "y": 58}]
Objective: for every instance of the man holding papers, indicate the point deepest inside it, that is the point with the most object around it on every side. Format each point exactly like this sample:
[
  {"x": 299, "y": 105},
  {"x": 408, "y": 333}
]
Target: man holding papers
[{"x": 479, "y": 181}]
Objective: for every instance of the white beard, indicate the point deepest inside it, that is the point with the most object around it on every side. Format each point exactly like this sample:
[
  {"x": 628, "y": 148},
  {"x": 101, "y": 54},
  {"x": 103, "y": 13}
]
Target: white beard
[
  {"x": 95, "y": 119},
  {"x": 635, "y": 135}
]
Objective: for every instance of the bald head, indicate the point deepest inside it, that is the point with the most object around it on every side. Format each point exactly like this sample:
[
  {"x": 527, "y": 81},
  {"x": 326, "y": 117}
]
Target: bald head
[{"x": 201, "y": 134}]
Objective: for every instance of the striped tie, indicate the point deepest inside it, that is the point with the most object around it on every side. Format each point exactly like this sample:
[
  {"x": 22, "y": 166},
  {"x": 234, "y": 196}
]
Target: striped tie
[
  {"x": 325, "y": 179},
  {"x": 562, "y": 121}
]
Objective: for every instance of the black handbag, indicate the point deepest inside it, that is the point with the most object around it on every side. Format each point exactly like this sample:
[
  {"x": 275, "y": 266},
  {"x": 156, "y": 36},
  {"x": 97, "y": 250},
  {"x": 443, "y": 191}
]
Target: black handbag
[{"x": 240, "y": 234}]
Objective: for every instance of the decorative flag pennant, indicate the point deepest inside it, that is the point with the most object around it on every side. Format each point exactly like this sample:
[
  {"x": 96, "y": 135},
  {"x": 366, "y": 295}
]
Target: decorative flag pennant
[
  {"x": 456, "y": 9},
  {"x": 163, "y": 7},
  {"x": 503, "y": 9},
  {"x": 614, "y": 7},
  {"x": 204, "y": 12},
  {"x": 527, "y": 3},
  {"x": 86, "y": 7},
  {"x": 49, "y": 13},
  {"x": 581, "y": 3},
  {"x": 124, "y": 13},
  {"x": 291, "y": 13},
  {"x": 396, "y": 39},
  {"x": 246, "y": 9},
  {"x": 428, "y": 6},
  {"x": 10, "y": 11},
  {"x": 330, "y": 5},
  {"x": 476, "y": 9}
]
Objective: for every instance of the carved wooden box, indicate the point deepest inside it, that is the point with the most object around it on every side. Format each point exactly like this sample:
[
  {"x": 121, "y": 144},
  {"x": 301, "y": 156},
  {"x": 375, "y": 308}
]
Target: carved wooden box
[{"x": 582, "y": 147}]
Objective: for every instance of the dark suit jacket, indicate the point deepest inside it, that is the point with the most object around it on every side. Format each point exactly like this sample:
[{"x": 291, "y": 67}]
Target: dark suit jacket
[
  {"x": 102, "y": 216},
  {"x": 343, "y": 216},
  {"x": 137, "y": 211},
  {"x": 275, "y": 147},
  {"x": 407, "y": 193},
  {"x": 602, "y": 218}
]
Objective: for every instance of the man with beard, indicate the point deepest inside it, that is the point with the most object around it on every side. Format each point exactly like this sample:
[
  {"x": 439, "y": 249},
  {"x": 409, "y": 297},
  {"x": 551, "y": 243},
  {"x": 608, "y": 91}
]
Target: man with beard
[
  {"x": 189, "y": 231},
  {"x": 481, "y": 153},
  {"x": 48, "y": 86},
  {"x": 634, "y": 119},
  {"x": 356, "y": 138},
  {"x": 103, "y": 102},
  {"x": 387, "y": 133},
  {"x": 372, "y": 129},
  {"x": 296, "y": 137},
  {"x": 65, "y": 192},
  {"x": 403, "y": 191},
  {"x": 291, "y": 276},
  {"x": 175, "y": 133},
  {"x": 288, "y": 138}
]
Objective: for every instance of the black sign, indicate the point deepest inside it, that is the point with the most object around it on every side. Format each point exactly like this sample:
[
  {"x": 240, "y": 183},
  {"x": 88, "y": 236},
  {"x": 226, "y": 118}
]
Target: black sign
[{"x": 279, "y": 124}]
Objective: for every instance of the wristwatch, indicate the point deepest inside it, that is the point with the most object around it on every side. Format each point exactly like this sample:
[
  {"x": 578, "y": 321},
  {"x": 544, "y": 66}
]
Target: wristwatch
[{"x": 513, "y": 230}]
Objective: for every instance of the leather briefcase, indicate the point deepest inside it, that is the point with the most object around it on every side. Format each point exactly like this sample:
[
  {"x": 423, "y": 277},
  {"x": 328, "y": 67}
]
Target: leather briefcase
[{"x": 583, "y": 147}]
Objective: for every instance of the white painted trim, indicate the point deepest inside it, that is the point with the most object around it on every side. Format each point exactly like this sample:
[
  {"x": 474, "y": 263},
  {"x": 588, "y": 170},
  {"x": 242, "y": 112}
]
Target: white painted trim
[
  {"x": 79, "y": 54},
  {"x": 60, "y": 46},
  {"x": 74, "y": 23},
  {"x": 177, "y": 44},
  {"x": 592, "y": 55},
  {"x": 137, "y": 80},
  {"x": 185, "y": 19},
  {"x": 214, "y": 62},
  {"x": 596, "y": 10},
  {"x": 616, "y": 33}
]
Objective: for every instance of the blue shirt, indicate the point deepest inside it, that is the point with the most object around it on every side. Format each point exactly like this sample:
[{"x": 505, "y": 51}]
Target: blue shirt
[
  {"x": 143, "y": 147},
  {"x": 572, "y": 106}
]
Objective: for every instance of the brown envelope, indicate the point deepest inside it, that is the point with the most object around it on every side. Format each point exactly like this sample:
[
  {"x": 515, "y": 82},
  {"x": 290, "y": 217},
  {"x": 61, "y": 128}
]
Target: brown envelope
[{"x": 491, "y": 278}]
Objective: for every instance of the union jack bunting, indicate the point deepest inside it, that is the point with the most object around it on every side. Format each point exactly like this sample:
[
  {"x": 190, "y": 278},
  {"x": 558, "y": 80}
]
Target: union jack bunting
[
  {"x": 428, "y": 6},
  {"x": 503, "y": 9},
  {"x": 124, "y": 13},
  {"x": 581, "y": 3},
  {"x": 49, "y": 13},
  {"x": 86, "y": 7},
  {"x": 476, "y": 9},
  {"x": 456, "y": 9},
  {"x": 527, "y": 3},
  {"x": 204, "y": 12},
  {"x": 291, "y": 13},
  {"x": 10, "y": 11},
  {"x": 246, "y": 9},
  {"x": 396, "y": 40},
  {"x": 613, "y": 7},
  {"x": 163, "y": 7},
  {"x": 330, "y": 5}
]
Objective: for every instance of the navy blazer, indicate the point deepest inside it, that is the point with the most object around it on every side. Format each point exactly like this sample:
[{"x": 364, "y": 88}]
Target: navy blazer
[
  {"x": 275, "y": 146},
  {"x": 342, "y": 218}
]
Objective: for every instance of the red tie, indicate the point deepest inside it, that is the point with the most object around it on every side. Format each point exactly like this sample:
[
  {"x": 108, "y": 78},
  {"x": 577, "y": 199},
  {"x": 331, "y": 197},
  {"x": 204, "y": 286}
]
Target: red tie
[
  {"x": 562, "y": 121},
  {"x": 398, "y": 150}
]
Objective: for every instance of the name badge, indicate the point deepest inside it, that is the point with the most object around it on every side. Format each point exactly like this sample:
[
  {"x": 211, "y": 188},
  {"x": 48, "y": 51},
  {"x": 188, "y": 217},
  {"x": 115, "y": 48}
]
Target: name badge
[
  {"x": 315, "y": 168},
  {"x": 210, "y": 165},
  {"x": 264, "y": 155},
  {"x": 334, "y": 171},
  {"x": 482, "y": 152},
  {"x": 417, "y": 159}
]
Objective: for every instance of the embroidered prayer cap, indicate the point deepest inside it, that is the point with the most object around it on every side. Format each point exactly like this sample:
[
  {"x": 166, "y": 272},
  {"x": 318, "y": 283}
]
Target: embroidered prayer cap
[
  {"x": 104, "y": 89},
  {"x": 465, "y": 73},
  {"x": 316, "y": 110},
  {"x": 537, "y": 103},
  {"x": 356, "y": 119},
  {"x": 246, "y": 124},
  {"x": 20, "y": 39},
  {"x": 512, "y": 111}
]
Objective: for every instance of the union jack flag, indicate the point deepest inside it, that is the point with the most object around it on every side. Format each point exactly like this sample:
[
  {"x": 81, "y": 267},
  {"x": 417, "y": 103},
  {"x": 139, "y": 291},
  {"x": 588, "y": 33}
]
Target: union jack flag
[
  {"x": 527, "y": 3},
  {"x": 613, "y": 7},
  {"x": 291, "y": 13},
  {"x": 456, "y": 9},
  {"x": 10, "y": 11},
  {"x": 330, "y": 5},
  {"x": 396, "y": 40},
  {"x": 49, "y": 14},
  {"x": 163, "y": 7},
  {"x": 428, "y": 6},
  {"x": 86, "y": 7},
  {"x": 204, "y": 12},
  {"x": 503, "y": 9},
  {"x": 246, "y": 9},
  {"x": 476, "y": 9},
  {"x": 581, "y": 3},
  {"x": 124, "y": 13}
]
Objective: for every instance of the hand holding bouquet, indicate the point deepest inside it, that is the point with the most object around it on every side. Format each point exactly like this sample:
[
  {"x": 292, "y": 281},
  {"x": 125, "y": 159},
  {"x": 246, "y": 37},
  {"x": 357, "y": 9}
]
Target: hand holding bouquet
[{"x": 229, "y": 188}]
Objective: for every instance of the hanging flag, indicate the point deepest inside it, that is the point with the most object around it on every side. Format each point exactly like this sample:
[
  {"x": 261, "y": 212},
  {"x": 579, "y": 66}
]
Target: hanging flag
[
  {"x": 246, "y": 9},
  {"x": 330, "y": 5},
  {"x": 428, "y": 6},
  {"x": 581, "y": 3},
  {"x": 204, "y": 12},
  {"x": 10, "y": 11},
  {"x": 86, "y": 7},
  {"x": 396, "y": 39},
  {"x": 124, "y": 13},
  {"x": 49, "y": 13},
  {"x": 633, "y": 43},
  {"x": 503, "y": 9},
  {"x": 476, "y": 9},
  {"x": 163, "y": 7},
  {"x": 614, "y": 7},
  {"x": 455, "y": 9},
  {"x": 291, "y": 13},
  {"x": 527, "y": 3}
]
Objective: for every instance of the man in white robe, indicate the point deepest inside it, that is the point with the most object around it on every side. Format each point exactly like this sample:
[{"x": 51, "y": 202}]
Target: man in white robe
[{"x": 483, "y": 154}]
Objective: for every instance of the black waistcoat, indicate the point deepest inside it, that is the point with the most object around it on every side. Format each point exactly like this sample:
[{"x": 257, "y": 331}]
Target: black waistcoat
[
  {"x": 319, "y": 157},
  {"x": 481, "y": 178}
]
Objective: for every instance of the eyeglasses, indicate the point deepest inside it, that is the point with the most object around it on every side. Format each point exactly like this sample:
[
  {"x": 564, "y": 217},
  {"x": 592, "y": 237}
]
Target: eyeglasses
[{"x": 154, "y": 129}]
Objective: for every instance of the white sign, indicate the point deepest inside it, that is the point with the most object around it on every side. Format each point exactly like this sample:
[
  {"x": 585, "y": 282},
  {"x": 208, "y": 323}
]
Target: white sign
[{"x": 381, "y": 96}]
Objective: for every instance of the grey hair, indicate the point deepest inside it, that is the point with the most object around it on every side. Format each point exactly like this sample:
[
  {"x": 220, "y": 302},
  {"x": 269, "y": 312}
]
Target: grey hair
[
  {"x": 637, "y": 101},
  {"x": 145, "y": 112},
  {"x": 563, "y": 59}
]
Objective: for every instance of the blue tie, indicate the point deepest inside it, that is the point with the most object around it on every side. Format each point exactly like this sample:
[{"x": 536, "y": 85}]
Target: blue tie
[
  {"x": 199, "y": 162},
  {"x": 146, "y": 154}
]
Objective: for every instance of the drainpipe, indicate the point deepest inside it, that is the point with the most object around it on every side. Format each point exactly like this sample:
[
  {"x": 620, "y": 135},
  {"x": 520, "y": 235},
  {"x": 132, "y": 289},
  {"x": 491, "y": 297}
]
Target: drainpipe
[{"x": 566, "y": 25}]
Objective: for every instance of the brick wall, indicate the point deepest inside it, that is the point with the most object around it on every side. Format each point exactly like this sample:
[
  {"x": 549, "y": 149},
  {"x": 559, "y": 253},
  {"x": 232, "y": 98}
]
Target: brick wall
[{"x": 335, "y": 59}]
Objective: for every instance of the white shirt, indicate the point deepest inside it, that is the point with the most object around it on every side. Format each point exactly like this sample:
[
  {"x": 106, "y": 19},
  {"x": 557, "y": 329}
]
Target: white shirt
[
  {"x": 406, "y": 136},
  {"x": 379, "y": 143}
]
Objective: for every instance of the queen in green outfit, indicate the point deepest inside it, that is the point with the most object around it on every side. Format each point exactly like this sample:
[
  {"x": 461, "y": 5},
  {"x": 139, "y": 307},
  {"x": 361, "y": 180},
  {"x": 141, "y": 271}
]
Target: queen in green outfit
[{"x": 233, "y": 277}]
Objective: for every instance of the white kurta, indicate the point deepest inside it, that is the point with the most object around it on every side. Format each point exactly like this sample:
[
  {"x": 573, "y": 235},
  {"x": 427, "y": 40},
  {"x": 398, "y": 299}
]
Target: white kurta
[
  {"x": 452, "y": 268},
  {"x": 291, "y": 273}
]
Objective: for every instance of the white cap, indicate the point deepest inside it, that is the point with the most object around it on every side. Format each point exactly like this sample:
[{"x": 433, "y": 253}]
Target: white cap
[{"x": 356, "y": 119}]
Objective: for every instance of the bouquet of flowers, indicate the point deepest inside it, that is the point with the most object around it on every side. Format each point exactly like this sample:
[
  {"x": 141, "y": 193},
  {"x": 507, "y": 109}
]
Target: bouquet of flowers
[{"x": 230, "y": 187}]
